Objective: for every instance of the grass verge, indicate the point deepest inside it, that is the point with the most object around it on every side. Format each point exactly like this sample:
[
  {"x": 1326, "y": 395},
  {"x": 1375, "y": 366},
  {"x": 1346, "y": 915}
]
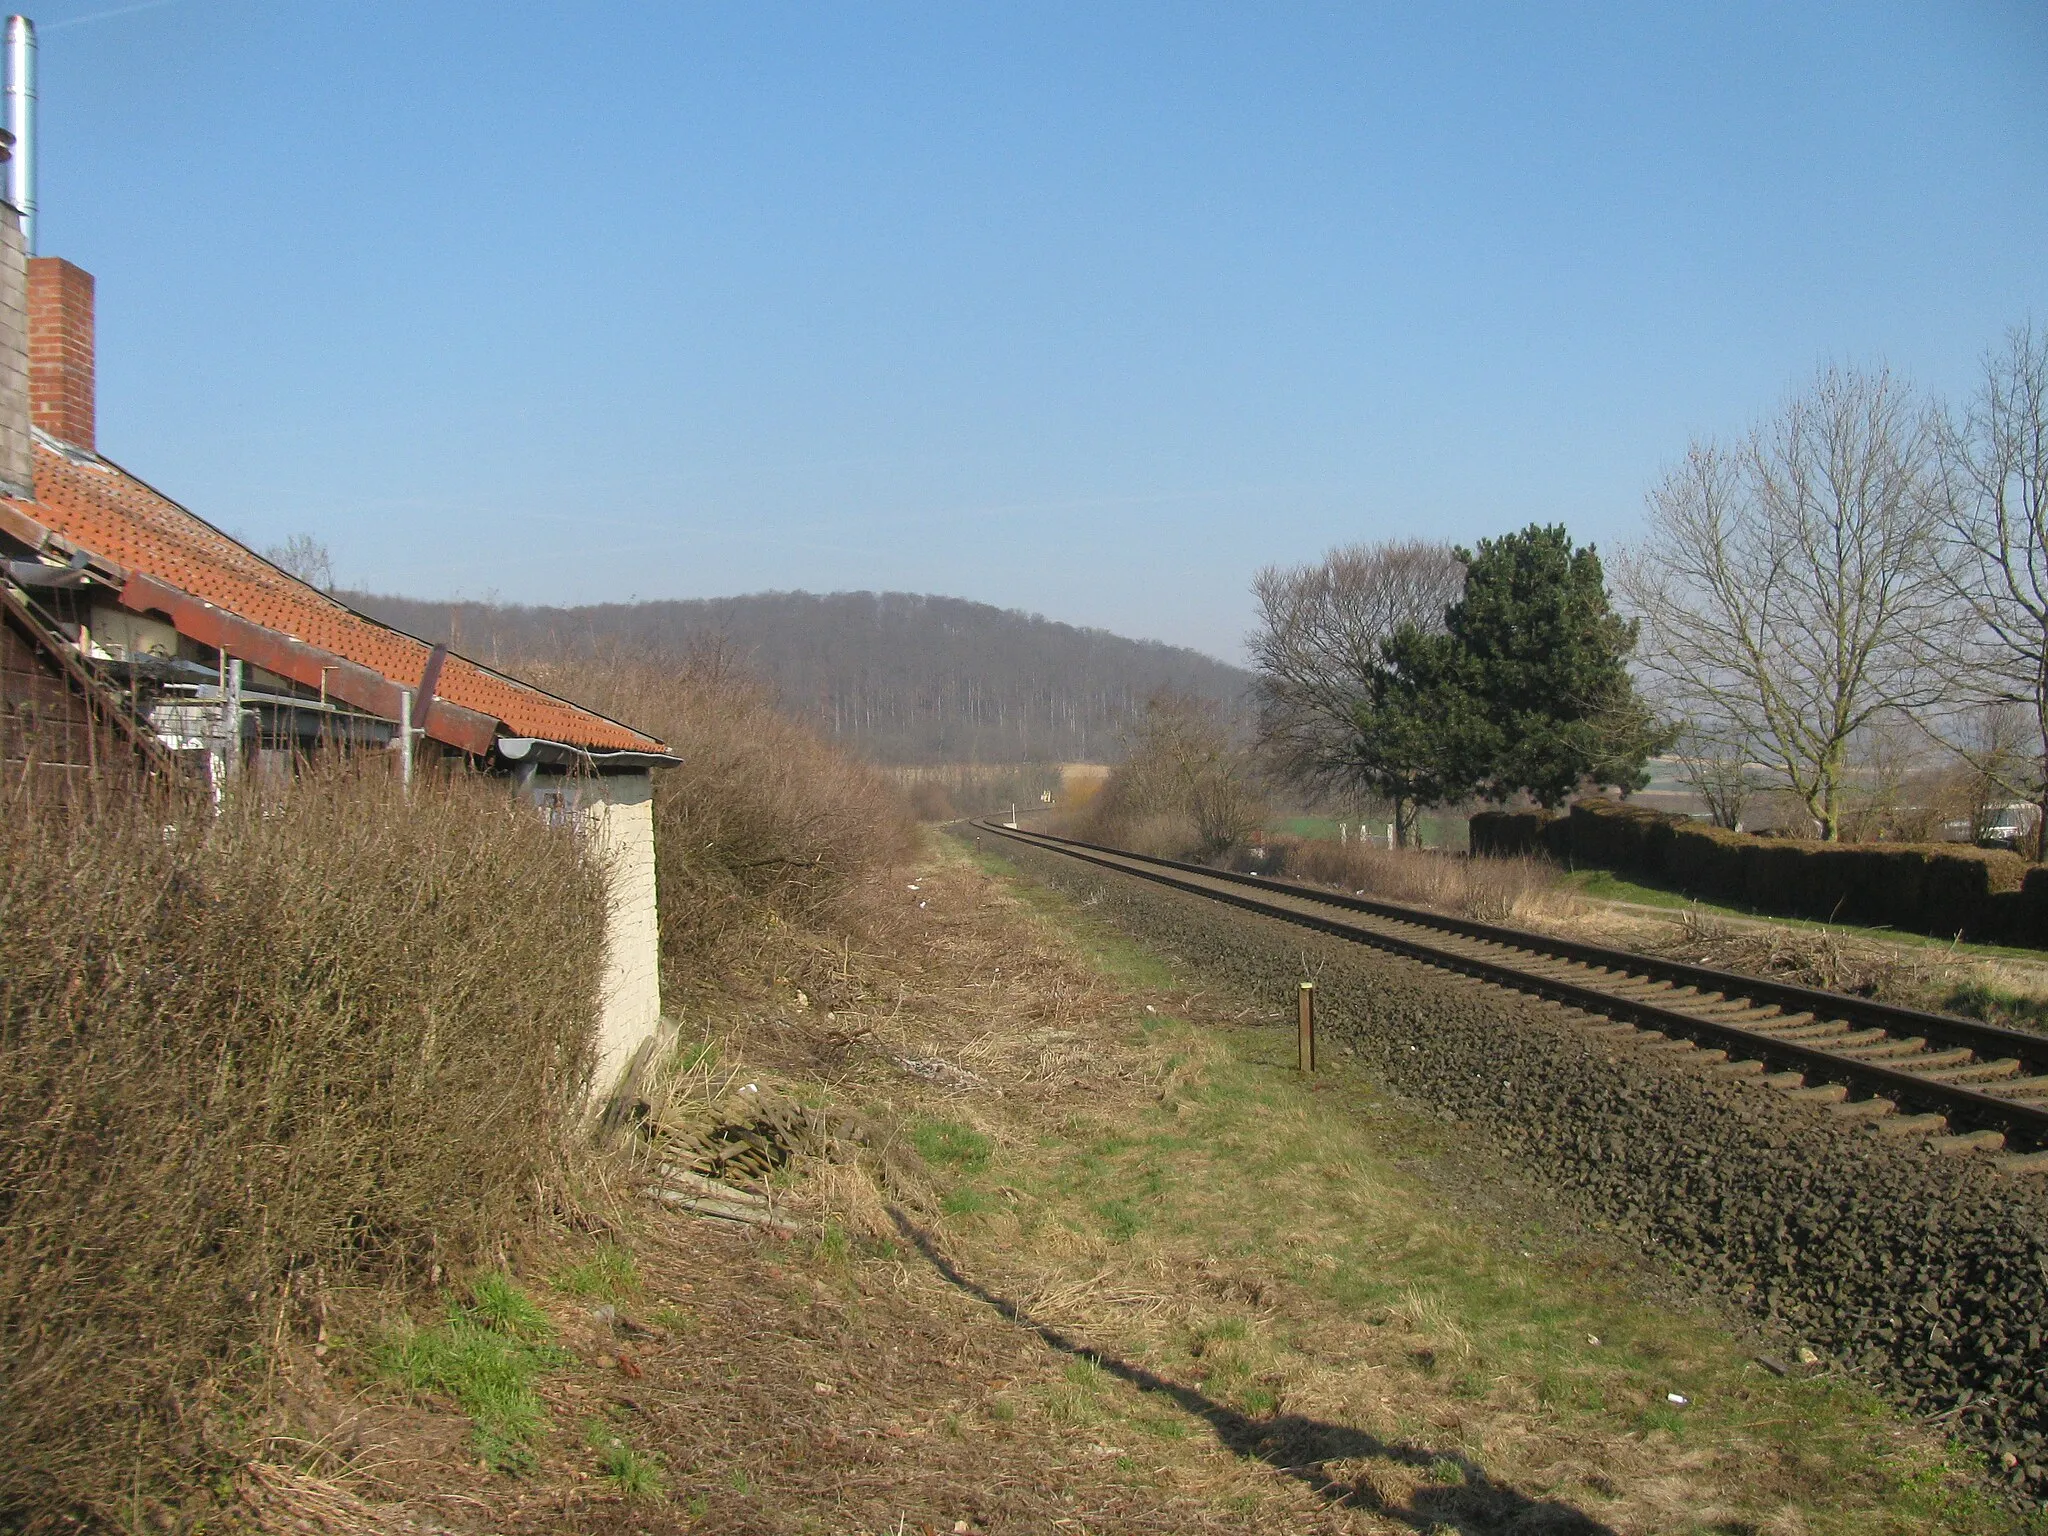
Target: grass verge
[{"x": 1355, "y": 1267}]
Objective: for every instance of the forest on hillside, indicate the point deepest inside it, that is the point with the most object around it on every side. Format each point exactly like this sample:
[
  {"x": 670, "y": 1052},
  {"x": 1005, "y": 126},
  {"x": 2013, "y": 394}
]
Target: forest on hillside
[{"x": 900, "y": 677}]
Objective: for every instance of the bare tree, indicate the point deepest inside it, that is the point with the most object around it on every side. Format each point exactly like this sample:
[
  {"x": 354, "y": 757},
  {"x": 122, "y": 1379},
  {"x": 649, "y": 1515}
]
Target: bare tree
[
  {"x": 305, "y": 557},
  {"x": 1184, "y": 769},
  {"x": 1318, "y": 648},
  {"x": 1715, "y": 763},
  {"x": 1794, "y": 586},
  {"x": 1994, "y": 460},
  {"x": 1893, "y": 789}
]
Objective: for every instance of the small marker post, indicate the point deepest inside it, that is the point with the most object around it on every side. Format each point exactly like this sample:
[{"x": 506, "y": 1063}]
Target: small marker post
[{"x": 1306, "y": 1042}]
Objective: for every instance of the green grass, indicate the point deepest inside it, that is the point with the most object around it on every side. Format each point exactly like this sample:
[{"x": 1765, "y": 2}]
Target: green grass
[
  {"x": 966, "y": 1200},
  {"x": 699, "y": 1053},
  {"x": 632, "y": 1473},
  {"x": 951, "y": 1145},
  {"x": 484, "y": 1354},
  {"x": 606, "y": 1275},
  {"x": 635, "y": 1474},
  {"x": 1605, "y": 885}
]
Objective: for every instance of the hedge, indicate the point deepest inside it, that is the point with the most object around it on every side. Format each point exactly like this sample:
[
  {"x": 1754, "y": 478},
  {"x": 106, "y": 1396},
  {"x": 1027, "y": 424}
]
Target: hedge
[
  {"x": 1945, "y": 889},
  {"x": 1509, "y": 834}
]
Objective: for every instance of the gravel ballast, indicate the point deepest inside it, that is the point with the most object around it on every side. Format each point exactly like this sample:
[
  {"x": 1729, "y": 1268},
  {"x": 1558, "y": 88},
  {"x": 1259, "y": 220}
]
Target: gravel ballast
[{"x": 1926, "y": 1274}]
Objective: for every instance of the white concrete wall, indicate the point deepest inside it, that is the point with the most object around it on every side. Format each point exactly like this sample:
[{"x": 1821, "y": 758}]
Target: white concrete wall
[{"x": 619, "y": 820}]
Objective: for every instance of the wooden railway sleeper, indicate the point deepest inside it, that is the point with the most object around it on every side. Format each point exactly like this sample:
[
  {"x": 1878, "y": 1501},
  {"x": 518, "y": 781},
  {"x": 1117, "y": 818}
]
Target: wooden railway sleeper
[
  {"x": 1787, "y": 1025},
  {"x": 1969, "y": 1141},
  {"x": 1739, "y": 1011},
  {"x": 1856, "y": 1038},
  {"x": 1641, "y": 986},
  {"x": 1822, "y": 1093},
  {"x": 1822, "y": 1032}
]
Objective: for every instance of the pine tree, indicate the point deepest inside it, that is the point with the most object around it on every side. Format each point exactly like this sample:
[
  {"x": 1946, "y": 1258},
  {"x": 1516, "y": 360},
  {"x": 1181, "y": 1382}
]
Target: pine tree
[{"x": 1527, "y": 688}]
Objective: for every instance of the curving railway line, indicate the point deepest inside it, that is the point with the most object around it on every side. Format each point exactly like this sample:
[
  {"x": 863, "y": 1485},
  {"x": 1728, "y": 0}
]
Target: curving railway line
[{"x": 1962, "y": 1085}]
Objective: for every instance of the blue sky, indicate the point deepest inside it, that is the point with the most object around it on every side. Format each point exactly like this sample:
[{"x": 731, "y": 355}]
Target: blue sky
[{"x": 1087, "y": 309}]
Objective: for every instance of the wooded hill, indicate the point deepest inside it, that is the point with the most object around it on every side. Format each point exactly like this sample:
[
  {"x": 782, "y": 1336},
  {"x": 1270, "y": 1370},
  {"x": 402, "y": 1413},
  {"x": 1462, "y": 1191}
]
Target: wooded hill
[{"x": 900, "y": 677}]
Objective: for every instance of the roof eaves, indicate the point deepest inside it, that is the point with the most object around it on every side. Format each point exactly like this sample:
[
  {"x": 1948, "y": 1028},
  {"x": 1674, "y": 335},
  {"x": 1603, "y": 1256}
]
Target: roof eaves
[
  {"x": 562, "y": 754},
  {"x": 356, "y": 613},
  {"x": 15, "y": 520},
  {"x": 308, "y": 665}
]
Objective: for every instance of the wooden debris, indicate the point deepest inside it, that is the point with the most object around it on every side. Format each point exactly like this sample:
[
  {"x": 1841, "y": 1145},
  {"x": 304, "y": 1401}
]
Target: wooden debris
[{"x": 724, "y": 1210}]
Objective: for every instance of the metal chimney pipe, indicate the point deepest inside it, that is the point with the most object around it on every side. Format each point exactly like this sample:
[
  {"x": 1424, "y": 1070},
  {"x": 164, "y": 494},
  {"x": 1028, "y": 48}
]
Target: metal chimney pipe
[{"x": 21, "y": 122}]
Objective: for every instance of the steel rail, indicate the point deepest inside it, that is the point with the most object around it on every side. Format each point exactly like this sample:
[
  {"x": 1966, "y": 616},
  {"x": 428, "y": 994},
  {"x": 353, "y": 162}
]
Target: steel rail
[{"x": 1958, "y": 1102}]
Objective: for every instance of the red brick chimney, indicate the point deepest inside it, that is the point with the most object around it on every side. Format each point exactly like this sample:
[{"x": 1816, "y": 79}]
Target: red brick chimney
[{"x": 60, "y": 386}]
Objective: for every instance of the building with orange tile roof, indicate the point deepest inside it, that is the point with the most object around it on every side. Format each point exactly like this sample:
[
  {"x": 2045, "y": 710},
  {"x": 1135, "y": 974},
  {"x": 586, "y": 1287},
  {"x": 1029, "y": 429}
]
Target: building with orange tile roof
[{"x": 133, "y": 626}]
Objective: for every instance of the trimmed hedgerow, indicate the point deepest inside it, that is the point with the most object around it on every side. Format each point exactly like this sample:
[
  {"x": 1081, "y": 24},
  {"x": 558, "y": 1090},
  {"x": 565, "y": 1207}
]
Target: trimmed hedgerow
[{"x": 1939, "y": 888}]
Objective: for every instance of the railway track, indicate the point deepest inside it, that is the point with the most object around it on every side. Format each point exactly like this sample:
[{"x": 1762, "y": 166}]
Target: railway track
[{"x": 1961, "y": 1085}]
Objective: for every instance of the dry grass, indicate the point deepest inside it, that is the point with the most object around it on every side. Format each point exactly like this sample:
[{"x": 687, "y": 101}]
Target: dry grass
[
  {"x": 1811, "y": 957},
  {"x": 1514, "y": 890},
  {"x": 332, "y": 1037},
  {"x": 1946, "y": 978}
]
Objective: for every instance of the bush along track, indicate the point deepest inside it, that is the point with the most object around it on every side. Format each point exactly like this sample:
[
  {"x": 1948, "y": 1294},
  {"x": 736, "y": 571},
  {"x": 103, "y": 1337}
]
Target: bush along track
[{"x": 1928, "y": 1275}]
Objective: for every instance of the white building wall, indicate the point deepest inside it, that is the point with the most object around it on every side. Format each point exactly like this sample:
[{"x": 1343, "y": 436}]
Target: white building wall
[{"x": 620, "y": 823}]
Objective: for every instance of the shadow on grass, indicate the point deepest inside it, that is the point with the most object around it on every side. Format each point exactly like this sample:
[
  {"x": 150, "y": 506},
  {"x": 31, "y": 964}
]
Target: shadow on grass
[{"x": 1300, "y": 1447}]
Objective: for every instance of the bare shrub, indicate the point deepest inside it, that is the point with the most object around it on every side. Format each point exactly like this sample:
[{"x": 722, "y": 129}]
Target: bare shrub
[
  {"x": 1185, "y": 789},
  {"x": 334, "y": 1036},
  {"x": 930, "y": 802},
  {"x": 1165, "y": 835},
  {"x": 1994, "y": 460},
  {"x": 762, "y": 817},
  {"x": 1489, "y": 889}
]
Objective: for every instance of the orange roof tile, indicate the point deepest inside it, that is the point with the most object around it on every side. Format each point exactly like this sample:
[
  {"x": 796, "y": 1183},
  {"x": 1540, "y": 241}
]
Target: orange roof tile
[{"x": 109, "y": 512}]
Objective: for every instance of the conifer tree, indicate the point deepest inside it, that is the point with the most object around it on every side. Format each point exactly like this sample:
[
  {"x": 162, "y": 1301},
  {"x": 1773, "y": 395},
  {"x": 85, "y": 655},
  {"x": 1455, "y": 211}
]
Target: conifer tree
[{"x": 1526, "y": 688}]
